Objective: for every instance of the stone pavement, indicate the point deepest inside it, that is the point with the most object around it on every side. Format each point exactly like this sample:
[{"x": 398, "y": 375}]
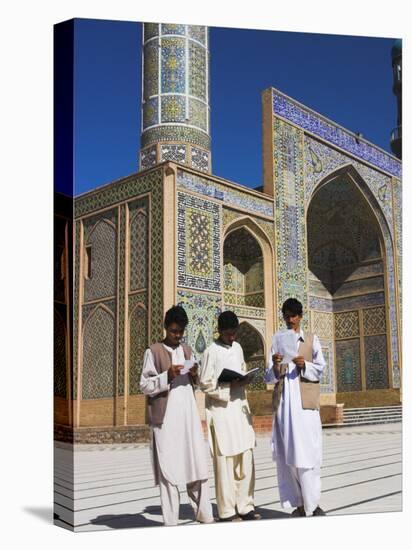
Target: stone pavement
[{"x": 114, "y": 488}]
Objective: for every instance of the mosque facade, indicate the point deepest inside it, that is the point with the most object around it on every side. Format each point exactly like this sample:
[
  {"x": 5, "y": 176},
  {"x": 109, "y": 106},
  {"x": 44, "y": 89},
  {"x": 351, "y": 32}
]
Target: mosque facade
[{"x": 324, "y": 228}]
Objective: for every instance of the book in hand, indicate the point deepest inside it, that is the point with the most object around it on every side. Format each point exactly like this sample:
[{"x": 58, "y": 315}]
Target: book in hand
[{"x": 227, "y": 375}]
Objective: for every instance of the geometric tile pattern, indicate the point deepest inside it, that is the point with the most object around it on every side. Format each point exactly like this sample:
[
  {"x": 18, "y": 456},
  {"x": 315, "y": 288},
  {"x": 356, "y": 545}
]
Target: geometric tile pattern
[
  {"x": 173, "y": 108},
  {"x": 150, "y": 30},
  {"x": 98, "y": 355},
  {"x": 290, "y": 215},
  {"x": 327, "y": 130},
  {"x": 59, "y": 357},
  {"x": 175, "y": 134},
  {"x": 150, "y": 112},
  {"x": 198, "y": 229},
  {"x": 210, "y": 188},
  {"x": 327, "y": 382},
  {"x": 198, "y": 114},
  {"x": 247, "y": 312},
  {"x": 137, "y": 346},
  {"x": 197, "y": 71},
  {"x": 76, "y": 282},
  {"x": 151, "y": 69},
  {"x": 200, "y": 159},
  {"x": 148, "y": 157},
  {"x": 373, "y": 299},
  {"x": 175, "y": 153},
  {"x": 173, "y": 69},
  {"x": 198, "y": 33},
  {"x": 321, "y": 160},
  {"x": 322, "y": 324},
  {"x": 202, "y": 311},
  {"x": 348, "y": 365},
  {"x": 346, "y": 324},
  {"x": 139, "y": 249},
  {"x": 120, "y": 314},
  {"x": 374, "y": 321},
  {"x": 172, "y": 28},
  {"x": 102, "y": 280},
  {"x": 376, "y": 362}
]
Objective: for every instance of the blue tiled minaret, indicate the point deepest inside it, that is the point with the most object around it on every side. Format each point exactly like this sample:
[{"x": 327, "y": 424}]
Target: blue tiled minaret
[{"x": 175, "y": 96}]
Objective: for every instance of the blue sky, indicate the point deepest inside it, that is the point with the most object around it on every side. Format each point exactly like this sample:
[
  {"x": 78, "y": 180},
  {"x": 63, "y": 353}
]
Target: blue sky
[{"x": 346, "y": 78}]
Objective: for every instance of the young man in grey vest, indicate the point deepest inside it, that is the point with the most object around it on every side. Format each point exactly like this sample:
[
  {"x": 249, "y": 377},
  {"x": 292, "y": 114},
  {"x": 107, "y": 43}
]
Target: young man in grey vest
[
  {"x": 295, "y": 366},
  {"x": 179, "y": 455}
]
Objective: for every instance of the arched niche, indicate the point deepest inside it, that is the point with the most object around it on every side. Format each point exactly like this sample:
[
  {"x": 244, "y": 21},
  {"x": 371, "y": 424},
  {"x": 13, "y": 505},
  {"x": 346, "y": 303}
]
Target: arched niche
[
  {"x": 350, "y": 254},
  {"x": 254, "y": 352}
]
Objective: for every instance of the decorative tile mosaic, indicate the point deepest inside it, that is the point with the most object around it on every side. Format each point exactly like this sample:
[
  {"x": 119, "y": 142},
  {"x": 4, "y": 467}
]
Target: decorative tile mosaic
[
  {"x": 348, "y": 365},
  {"x": 139, "y": 248},
  {"x": 362, "y": 286},
  {"x": 76, "y": 304},
  {"x": 197, "y": 71},
  {"x": 198, "y": 114},
  {"x": 150, "y": 30},
  {"x": 117, "y": 191},
  {"x": 346, "y": 324},
  {"x": 98, "y": 355},
  {"x": 290, "y": 215},
  {"x": 121, "y": 344},
  {"x": 316, "y": 124},
  {"x": 148, "y": 157},
  {"x": 151, "y": 112},
  {"x": 345, "y": 304},
  {"x": 210, "y": 188},
  {"x": 59, "y": 356},
  {"x": 169, "y": 28},
  {"x": 321, "y": 304},
  {"x": 151, "y": 69},
  {"x": 327, "y": 382},
  {"x": 376, "y": 362},
  {"x": 247, "y": 312},
  {"x": 102, "y": 240},
  {"x": 174, "y": 134},
  {"x": 253, "y": 300},
  {"x": 88, "y": 309},
  {"x": 198, "y": 229},
  {"x": 173, "y": 65},
  {"x": 397, "y": 206},
  {"x": 137, "y": 345},
  {"x": 374, "y": 321},
  {"x": 173, "y": 108},
  {"x": 200, "y": 159},
  {"x": 198, "y": 33},
  {"x": 175, "y": 153},
  {"x": 202, "y": 311},
  {"x": 58, "y": 259},
  {"x": 322, "y": 324},
  {"x": 321, "y": 161}
]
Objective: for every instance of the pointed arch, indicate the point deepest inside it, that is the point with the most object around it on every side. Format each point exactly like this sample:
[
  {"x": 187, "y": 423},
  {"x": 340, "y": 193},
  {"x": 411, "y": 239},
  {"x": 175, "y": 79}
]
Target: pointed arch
[{"x": 269, "y": 282}]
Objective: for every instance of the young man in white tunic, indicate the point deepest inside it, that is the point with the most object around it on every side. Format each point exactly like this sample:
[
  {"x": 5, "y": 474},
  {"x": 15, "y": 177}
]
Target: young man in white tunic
[
  {"x": 179, "y": 455},
  {"x": 297, "y": 431},
  {"x": 230, "y": 429}
]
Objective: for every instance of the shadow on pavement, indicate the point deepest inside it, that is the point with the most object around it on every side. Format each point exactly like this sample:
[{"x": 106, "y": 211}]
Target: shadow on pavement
[
  {"x": 271, "y": 514},
  {"x": 125, "y": 521}
]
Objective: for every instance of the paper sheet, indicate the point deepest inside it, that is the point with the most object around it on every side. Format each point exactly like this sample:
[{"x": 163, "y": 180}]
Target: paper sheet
[
  {"x": 187, "y": 365},
  {"x": 286, "y": 344}
]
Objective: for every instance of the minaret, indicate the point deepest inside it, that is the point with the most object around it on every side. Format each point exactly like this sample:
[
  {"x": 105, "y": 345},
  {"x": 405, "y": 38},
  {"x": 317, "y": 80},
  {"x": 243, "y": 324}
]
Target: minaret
[
  {"x": 175, "y": 96},
  {"x": 396, "y": 135}
]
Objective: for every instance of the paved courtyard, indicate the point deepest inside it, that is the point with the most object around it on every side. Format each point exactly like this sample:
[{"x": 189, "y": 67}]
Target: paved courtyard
[{"x": 114, "y": 487}]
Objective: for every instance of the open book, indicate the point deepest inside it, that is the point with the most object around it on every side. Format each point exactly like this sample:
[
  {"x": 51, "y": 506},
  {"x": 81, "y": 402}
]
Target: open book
[{"x": 227, "y": 375}]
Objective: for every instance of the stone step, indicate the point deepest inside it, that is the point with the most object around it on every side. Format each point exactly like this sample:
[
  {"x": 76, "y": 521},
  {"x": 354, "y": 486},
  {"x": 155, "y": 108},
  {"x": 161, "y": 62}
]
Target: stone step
[
  {"x": 387, "y": 408},
  {"x": 372, "y": 414}
]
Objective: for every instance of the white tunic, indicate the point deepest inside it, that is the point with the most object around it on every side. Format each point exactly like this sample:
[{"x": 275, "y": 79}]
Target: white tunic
[
  {"x": 297, "y": 432},
  {"x": 227, "y": 410},
  {"x": 179, "y": 440}
]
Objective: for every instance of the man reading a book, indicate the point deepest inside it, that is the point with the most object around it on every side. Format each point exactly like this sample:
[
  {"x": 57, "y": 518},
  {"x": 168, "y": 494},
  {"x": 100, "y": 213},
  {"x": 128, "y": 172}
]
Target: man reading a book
[
  {"x": 295, "y": 367},
  {"x": 230, "y": 429},
  {"x": 179, "y": 458}
]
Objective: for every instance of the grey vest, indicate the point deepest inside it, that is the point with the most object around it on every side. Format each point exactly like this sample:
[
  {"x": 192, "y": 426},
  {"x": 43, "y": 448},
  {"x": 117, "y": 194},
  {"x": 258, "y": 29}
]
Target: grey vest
[{"x": 156, "y": 405}]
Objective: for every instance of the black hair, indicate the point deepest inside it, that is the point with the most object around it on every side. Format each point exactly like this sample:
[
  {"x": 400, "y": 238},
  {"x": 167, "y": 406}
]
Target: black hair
[
  {"x": 291, "y": 305},
  {"x": 226, "y": 320},
  {"x": 176, "y": 314}
]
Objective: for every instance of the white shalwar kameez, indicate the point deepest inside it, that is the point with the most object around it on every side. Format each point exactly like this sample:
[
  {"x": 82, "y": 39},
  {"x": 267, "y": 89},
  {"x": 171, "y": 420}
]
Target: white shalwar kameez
[
  {"x": 178, "y": 444},
  {"x": 297, "y": 433},
  {"x": 230, "y": 430}
]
